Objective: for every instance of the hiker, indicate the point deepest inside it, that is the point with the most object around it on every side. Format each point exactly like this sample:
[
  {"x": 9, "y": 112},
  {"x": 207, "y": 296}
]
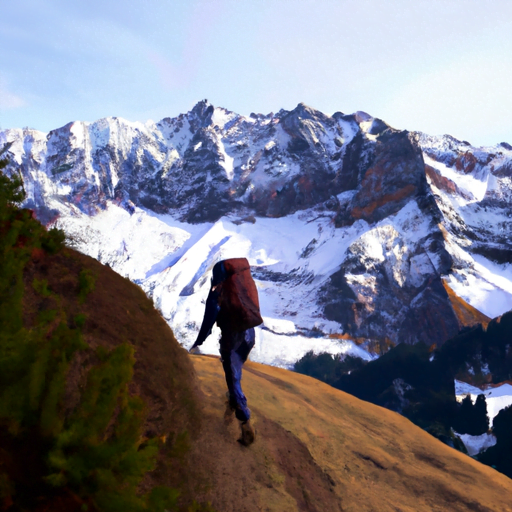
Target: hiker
[{"x": 233, "y": 303}]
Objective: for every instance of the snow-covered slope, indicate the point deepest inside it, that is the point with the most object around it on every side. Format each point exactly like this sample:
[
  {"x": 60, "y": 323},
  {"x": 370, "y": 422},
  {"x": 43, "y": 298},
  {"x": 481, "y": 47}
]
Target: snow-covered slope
[
  {"x": 357, "y": 233},
  {"x": 473, "y": 188}
]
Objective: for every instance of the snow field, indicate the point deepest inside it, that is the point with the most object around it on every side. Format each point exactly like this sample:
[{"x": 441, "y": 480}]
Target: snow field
[
  {"x": 485, "y": 285},
  {"x": 473, "y": 185},
  {"x": 476, "y": 444},
  {"x": 496, "y": 398}
]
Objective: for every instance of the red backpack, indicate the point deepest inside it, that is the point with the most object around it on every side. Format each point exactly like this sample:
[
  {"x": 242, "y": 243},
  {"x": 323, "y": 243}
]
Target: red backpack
[{"x": 238, "y": 299}]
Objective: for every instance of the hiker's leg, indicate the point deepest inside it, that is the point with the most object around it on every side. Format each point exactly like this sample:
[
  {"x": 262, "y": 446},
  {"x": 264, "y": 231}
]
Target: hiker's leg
[
  {"x": 225, "y": 357},
  {"x": 246, "y": 344},
  {"x": 242, "y": 411},
  {"x": 232, "y": 363}
]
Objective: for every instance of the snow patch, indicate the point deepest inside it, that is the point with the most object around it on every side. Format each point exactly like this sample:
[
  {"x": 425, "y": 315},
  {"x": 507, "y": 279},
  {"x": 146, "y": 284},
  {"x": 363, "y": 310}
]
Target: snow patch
[
  {"x": 283, "y": 351},
  {"x": 476, "y": 444},
  {"x": 221, "y": 117},
  {"x": 226, "y": 161}
]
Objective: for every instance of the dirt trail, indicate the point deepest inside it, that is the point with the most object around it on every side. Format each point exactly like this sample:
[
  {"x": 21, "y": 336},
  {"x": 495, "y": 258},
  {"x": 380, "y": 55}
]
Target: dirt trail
[{"x": 319, "y": 449}]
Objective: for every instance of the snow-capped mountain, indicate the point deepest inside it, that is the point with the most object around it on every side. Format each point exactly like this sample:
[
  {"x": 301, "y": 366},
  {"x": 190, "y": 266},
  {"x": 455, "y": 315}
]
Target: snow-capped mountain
[{"x": 358, "y": 234}]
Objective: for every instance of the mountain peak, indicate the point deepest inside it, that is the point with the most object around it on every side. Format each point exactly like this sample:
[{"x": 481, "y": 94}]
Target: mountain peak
[
  {"x": 362, "y": 117},
  {"x": 202, "y": 109}
]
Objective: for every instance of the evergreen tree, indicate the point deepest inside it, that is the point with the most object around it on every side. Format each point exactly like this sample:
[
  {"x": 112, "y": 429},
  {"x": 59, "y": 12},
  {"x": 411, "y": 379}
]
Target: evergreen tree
[
  {"x": 11, "y": 191},
  {"x": 462, "y": 422},
  {"x": 500, "y": 455},
  {"x": 472, "y": 418},
  {"x": 480, "y": 423},
  {"x": 502, "y": 427},
  {"x": 96, "y": 450}
]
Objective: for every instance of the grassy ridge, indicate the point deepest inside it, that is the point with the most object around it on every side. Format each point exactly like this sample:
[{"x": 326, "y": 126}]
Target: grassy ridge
[
  {"x": 418, "y": 382},
  {"x": 90, "y": 376},
  {"x": 354, "y": 456}
]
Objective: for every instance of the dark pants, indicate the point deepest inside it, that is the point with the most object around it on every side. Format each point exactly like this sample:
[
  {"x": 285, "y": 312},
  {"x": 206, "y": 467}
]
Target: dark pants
[{"x": 234, "y": 350}]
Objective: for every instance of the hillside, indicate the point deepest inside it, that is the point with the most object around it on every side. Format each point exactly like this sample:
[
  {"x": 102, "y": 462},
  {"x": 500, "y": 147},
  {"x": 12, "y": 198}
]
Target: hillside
[
  {"x": 319, "y": 449},
  {"x": 93, "y": 385}
]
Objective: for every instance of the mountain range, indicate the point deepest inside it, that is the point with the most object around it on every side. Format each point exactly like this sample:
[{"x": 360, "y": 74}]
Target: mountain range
[{"x": 360, "y": 236}]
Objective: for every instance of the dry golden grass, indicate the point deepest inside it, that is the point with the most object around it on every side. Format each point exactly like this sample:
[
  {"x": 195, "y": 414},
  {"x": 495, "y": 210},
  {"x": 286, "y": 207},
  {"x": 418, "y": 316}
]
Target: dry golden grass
[{"x": 355, "y": 456}]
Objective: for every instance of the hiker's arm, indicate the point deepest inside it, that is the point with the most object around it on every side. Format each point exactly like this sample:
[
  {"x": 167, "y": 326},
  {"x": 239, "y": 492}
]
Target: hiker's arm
[{"x": 210, "y": 315}]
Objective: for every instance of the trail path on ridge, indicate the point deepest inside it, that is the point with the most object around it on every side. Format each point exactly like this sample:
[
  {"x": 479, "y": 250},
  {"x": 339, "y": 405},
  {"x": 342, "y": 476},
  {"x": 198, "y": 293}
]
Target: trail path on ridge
[{"x": 319, "y": 449}]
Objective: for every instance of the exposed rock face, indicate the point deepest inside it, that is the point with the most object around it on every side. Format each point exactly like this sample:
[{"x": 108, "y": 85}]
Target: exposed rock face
[
  {"x": 382, "y": 220},
  {"x": 402, "y": 300},
  {"x": 395, "y": 174}
]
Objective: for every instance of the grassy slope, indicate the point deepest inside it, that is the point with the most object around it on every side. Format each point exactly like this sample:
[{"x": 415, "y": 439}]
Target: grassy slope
[
  {"x": 118, "y": 311},
  {"x": 319, "y": 449}
]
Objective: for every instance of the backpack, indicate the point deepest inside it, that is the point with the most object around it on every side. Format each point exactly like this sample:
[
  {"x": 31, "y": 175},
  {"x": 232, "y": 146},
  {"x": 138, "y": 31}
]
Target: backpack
[{"x": 238, "y": 296}]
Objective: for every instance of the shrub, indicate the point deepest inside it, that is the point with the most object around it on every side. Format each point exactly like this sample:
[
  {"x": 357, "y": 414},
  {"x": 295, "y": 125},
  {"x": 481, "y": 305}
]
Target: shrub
[
  {"x": 53, "y": 240},
  {"x": 86, "y": 284}
]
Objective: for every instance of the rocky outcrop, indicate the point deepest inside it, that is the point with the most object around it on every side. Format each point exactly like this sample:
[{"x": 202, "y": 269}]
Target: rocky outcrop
[{"x": 395, "y": 174}]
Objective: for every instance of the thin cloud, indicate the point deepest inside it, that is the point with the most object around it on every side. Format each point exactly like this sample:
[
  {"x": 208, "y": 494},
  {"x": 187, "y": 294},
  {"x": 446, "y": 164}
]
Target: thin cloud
[
  {"x": 10, "y": 100},
  {"x": 179, "y": 71},
  {"x": 470, "y": 94}
]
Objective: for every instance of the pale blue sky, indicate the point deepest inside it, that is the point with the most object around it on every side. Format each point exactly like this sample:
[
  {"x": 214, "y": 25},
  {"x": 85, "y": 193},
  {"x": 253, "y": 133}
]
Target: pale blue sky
[{"x": 436, "y": 66}]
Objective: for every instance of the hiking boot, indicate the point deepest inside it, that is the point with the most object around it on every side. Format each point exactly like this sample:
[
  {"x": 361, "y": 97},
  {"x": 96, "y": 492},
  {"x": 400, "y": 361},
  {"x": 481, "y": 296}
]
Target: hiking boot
[
  {"x": 230, "y": 409},
  {"x": 229, "y": 413},
  {"x": 248, "y": 433}
]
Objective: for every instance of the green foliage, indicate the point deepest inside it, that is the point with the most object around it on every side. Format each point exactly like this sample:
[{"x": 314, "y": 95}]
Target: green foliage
[
  {"x": 98, "y": 450},
  {"x": 12, "y": 192},
  {"x": 180, "y": 445},
  {"x": 86, "y": 284},
  {"x": 80, "y": 320},
  {"x": 20, "y": 234},
  {"x": 162, "y": 498},
  {"x": 33, "y": 369},
  {"x": 41, "y": 287},
  {"x": 53, "y": 240}
]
